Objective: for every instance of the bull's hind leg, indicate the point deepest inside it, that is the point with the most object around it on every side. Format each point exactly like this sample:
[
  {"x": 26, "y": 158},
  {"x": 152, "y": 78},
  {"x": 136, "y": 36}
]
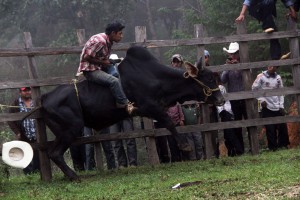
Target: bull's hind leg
[
  {"x": 56, "y": 154},
  {"x": 62, "y": 142},
  {"x": 162, "y": 117}
]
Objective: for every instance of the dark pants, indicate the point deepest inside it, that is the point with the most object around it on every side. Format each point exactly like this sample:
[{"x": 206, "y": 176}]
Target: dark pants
[
  {"x": 232, "y": 142},
  {"x": 108, "y": 151},
  {"x": 162, "y": 144},
  {"x": 131, "y": 158},
  {"x": 90, "y": 163},
  {"x": 196, "y": 141},
  {"x": 277, "y": 134},
  {"x": 34, "y": 165},
  {"x": 83, "y": 156},
  {"x": 238, "y": 108},
  {"x": 264, "y": 12}
]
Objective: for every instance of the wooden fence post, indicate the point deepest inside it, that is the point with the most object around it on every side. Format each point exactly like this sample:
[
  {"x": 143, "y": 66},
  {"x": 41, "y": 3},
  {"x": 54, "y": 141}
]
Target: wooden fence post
[
  {"x": 294, "y": 48},
  {"x": 209, "y": 136},
  {"x": 98, "y": 152},
  {"x": 141, "y": 36},
  {"x": 248, "y": 81},
  {"x": 45, "y": 164}
]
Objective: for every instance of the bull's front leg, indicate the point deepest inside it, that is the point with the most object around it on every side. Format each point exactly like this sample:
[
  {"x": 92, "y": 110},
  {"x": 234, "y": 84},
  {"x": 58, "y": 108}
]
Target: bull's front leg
[{"x": 165, "y": 121}]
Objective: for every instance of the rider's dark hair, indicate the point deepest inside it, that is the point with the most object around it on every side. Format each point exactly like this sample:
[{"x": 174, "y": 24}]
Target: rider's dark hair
[{"x": 114, "y": 27}]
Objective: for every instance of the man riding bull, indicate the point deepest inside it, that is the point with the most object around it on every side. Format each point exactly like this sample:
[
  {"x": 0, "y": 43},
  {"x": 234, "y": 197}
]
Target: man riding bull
[{"x": 94, "y": 60}]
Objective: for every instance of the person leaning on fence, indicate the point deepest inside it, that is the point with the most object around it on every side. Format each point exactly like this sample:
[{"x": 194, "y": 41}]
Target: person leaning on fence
[
  {"x": 176, "y": 115},
  {"x": 25, "y": 130},
  {"x": 94, "y": 60},
  {"x": 234, "y": 81},
  {"x": 272, "y": 107},
  {"x": 232, "y": 142},
  {"x": 213, "y": 114},
  {"x": 191, "y": 112},
  {"x": 263, "y": 11},
  {"x": 122, "y": 126}
]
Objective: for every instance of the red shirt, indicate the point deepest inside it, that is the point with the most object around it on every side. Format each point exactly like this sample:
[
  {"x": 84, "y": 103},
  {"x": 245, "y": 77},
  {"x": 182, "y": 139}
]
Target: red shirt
[
  {"x": 176, "y": 114},
  {"x": 98, "y": 46}
]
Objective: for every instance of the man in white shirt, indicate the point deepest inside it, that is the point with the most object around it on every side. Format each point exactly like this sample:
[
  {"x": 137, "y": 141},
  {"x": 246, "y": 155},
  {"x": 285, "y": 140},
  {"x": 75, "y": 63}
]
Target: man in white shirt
[{"x": 277, "y": 134}]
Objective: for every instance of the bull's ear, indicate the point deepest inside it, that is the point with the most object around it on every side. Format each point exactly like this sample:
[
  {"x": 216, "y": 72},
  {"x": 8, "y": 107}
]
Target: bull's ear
[{"x": 191, "y": 69}]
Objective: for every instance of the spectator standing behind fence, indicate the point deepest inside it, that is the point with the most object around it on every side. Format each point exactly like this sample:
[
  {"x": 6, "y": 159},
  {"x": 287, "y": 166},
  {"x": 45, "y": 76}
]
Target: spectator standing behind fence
[
  {"x": 264, "y": 11},
  {"x": 232, "y": 143},
  {"x": 25, "y": 130},
  {"x": 122, "y": 126},
  {"x": 131, "y": 158},
  {"x": 83, "y": 156},
  {"x": 191, "y": 112},
  {"x": 175, "y": 113},
  {"x": 234, "y": 81},
  {"x": 277, "y": 134},
  {"x": 213, "y": 114}
]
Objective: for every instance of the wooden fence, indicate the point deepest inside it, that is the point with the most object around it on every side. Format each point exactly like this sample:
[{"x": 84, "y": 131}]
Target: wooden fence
[{"x": 149, "y": 133}]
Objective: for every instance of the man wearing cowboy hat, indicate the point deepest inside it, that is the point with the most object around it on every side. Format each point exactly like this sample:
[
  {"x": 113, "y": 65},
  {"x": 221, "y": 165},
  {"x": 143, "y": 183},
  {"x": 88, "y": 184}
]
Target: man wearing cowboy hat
[
  {"x": 234, "y": 81},
  {"x": 25, "y": 130}
]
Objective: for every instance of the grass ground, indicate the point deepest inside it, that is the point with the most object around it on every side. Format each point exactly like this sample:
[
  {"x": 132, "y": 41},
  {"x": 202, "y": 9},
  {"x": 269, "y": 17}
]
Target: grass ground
[{"x": 270, "y": 175}]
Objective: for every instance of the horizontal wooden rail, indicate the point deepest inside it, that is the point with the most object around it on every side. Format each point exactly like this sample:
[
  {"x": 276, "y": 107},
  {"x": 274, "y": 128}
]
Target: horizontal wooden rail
[
  {"x": 43, "y": 51},
  {"x": 229, "y": 96},
  {"x": 67, "y": 80},
  {"x": 185, "y": 129}
]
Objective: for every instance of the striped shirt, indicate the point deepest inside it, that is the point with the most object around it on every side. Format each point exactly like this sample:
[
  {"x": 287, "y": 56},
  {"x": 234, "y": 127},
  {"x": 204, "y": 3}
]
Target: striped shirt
[{"x": 28, "y": 124}]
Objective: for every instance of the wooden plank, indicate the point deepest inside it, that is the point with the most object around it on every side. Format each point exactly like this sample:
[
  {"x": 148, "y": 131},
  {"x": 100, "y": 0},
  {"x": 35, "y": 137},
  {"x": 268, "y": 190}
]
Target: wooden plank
[
  {"x": 141, "y": 36},
  {"x": 208, "y": 137},
  {"x": 294, "y": 48},
  {"x": 35, "y": 82},
  {"x": 43, "y": 51},
  {"x": 10, "y": 117},
  {"x": 185, "y": 129},
  {"x": 247, "y": 81},
  {"x": 255, "y": 65},
  {"x": 261, "y": 93},
  {"x": 45, "y": 165}
]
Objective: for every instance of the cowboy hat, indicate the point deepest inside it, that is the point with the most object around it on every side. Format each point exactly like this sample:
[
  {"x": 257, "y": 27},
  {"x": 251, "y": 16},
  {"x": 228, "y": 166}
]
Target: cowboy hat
[
  {"x": 17, "y": 154},
  {"x": 233, "y": 47}
]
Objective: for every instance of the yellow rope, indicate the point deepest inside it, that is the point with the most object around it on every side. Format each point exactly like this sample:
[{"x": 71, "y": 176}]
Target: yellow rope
[
  {"x": 74, "y": 81},
  {"x": 9, "y": 106}
]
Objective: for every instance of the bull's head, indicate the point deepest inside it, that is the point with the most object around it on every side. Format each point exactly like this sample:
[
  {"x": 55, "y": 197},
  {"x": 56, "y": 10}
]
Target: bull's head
[{"x": 205, "y": 79}]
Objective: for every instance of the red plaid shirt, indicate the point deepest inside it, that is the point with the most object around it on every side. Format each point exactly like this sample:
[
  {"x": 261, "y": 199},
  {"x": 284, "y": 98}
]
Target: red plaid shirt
[
  {"x": 176, "y": 114},
  {"x": 98, "y": 46}
]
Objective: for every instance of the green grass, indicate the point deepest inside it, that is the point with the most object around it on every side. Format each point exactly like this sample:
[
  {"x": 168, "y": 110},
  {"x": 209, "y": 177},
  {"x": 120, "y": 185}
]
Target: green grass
[{"x": 271, "y": 175}]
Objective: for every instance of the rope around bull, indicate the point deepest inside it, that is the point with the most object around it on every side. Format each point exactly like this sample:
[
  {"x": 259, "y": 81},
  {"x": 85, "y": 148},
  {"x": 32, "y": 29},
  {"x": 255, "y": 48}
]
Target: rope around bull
[{"x": 206, "y": 90}]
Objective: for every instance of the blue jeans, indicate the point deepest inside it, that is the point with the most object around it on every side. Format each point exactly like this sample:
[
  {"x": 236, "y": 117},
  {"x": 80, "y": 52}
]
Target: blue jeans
[
  {"x": 102, "y": 78},
  {"x": 131, "y": 149}
]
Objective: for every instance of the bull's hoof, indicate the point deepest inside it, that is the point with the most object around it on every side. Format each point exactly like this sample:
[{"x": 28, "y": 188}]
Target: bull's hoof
[{"x": 185, "y": 147}]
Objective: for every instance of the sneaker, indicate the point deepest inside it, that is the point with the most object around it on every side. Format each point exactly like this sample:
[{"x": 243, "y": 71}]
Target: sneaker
[
  {"x": 269, "y": 30},
  {"x": 285, "y": 56}
]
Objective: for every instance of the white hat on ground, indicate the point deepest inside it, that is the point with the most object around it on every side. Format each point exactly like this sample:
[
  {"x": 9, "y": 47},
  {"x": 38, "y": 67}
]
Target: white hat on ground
[
  {"x": 233, "y": 47},
  {"x": 17, "y": 154}
]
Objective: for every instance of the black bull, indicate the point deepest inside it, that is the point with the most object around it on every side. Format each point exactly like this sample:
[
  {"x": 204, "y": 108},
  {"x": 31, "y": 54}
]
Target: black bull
[{"x": 151, "y": 86}]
